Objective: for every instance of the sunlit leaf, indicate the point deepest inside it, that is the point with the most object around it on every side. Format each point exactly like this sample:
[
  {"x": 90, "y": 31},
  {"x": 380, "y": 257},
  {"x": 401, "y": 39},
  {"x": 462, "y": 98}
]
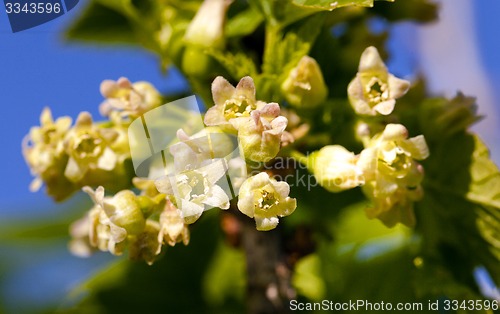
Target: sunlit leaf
[
  {"x": 244, "y": 23},
  {"x": 307, "y": 278},
  {"x": 331, "y": 5},
  {"x": 219, "y": 288},
  {"x": 238, "y": 65},
  {"x": 100, "y": 23},
  {"x": 418, "y": 10},
  {"x": 460, "y": 212}
]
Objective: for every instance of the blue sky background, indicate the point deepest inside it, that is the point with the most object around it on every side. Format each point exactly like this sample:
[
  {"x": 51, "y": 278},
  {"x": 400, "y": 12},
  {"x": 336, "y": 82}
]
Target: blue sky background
[{"x": 38, "y": 69}]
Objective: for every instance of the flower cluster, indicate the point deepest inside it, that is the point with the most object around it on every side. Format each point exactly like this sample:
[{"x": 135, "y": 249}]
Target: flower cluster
[
  {"x": 43, "y": 150},
  {"x": 393, "y": 175},
  {"x": 197, "y": 172},
  {"x": 207, "y": 169},
  {"x": 202, "y": 161},
  {"x": 387, "y": 169},
  {"x": 139, "y": 223},
  {"x": 259, "y": 126},
  {"x": 67, "y": 157}
]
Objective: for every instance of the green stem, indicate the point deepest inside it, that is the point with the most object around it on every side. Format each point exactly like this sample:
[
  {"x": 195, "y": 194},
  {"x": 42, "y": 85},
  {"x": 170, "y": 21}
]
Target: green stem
[
  {"x": 273, "y": 37},
  {"x": 300, "y": 157}
]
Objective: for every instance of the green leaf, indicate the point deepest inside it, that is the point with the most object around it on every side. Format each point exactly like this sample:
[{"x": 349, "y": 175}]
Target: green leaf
[
  {"x": 103, "y": 24},
  {"x": 52, "y": 226},
  {"x": 244, "y": 23},
  {"x": 280, "y": 13},
  {"x": 125, "y": 7},
  {"x": 238, "y": 64},
  {"x": 283, "y": 52},
  {"x": 104, "y": 278},
  {"x": 219, "y": 288},
  {"x": 433, "y": 281},
  {"x": 330, "y": 5},
  {"x": 440, "y": 117},
  {"x": 307, "y": 279},
  {"x": 376, "y": 268},
  {"x": 173, "y": 284},
  {"x": 460, "y": 214},
  {"x": 417, "y": 10}
]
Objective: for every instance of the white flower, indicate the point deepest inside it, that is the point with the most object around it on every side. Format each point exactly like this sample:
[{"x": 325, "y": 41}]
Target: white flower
[
  {"x": 265, "y": 199},
  {"x": 97, "y": 230},
  {"x": 127, "y": 99},
  {"x": 374, "y": 90},
  {"x": 196, "y": 190},
  {"x": 260, "y": 135},
  {"x": 201, "y": 148},
  {"x": 231, "y": 102},
  {"x": 173, "y": 229},
  {"x": 43, "y": 147},
  {"x": 393, "y": 176},
  {"x": 88, "y": 147}
]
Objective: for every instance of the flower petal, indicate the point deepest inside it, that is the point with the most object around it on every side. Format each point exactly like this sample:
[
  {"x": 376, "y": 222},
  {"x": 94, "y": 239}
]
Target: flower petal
[
  {"x": 75, "y": 171},
  {"x": 164, "y": 185},
  {"x": 266, "y": 224},
  {"x": 417, "y": 146},
  {"x": 282, "y": 188},
  {"x": 397, "y": 87},
  {"x": 108, "y": 160},
  {"x": 190, "y": 211},
  {"x": 246, "y": 89},
  {"x": 386, "y": 107},
  {"x": 222, "y": 90},
  {"x": 217, "y": 198},
  {"x": 371, "y": 62}
]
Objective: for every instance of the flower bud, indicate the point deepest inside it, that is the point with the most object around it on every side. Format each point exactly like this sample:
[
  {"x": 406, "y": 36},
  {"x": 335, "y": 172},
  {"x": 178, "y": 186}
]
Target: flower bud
[
  {"x": 145, "y": 246},
  {"x": 205, "y": 31},
  {"x": 123, "y": 209},
  {"x": 172, "y": 227},
  {"x": 260, "y": 135},
  {"x": 207, "y": 28},
  {"x": 335, "y": 168},
  {"x": 305, "y": 87}
]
